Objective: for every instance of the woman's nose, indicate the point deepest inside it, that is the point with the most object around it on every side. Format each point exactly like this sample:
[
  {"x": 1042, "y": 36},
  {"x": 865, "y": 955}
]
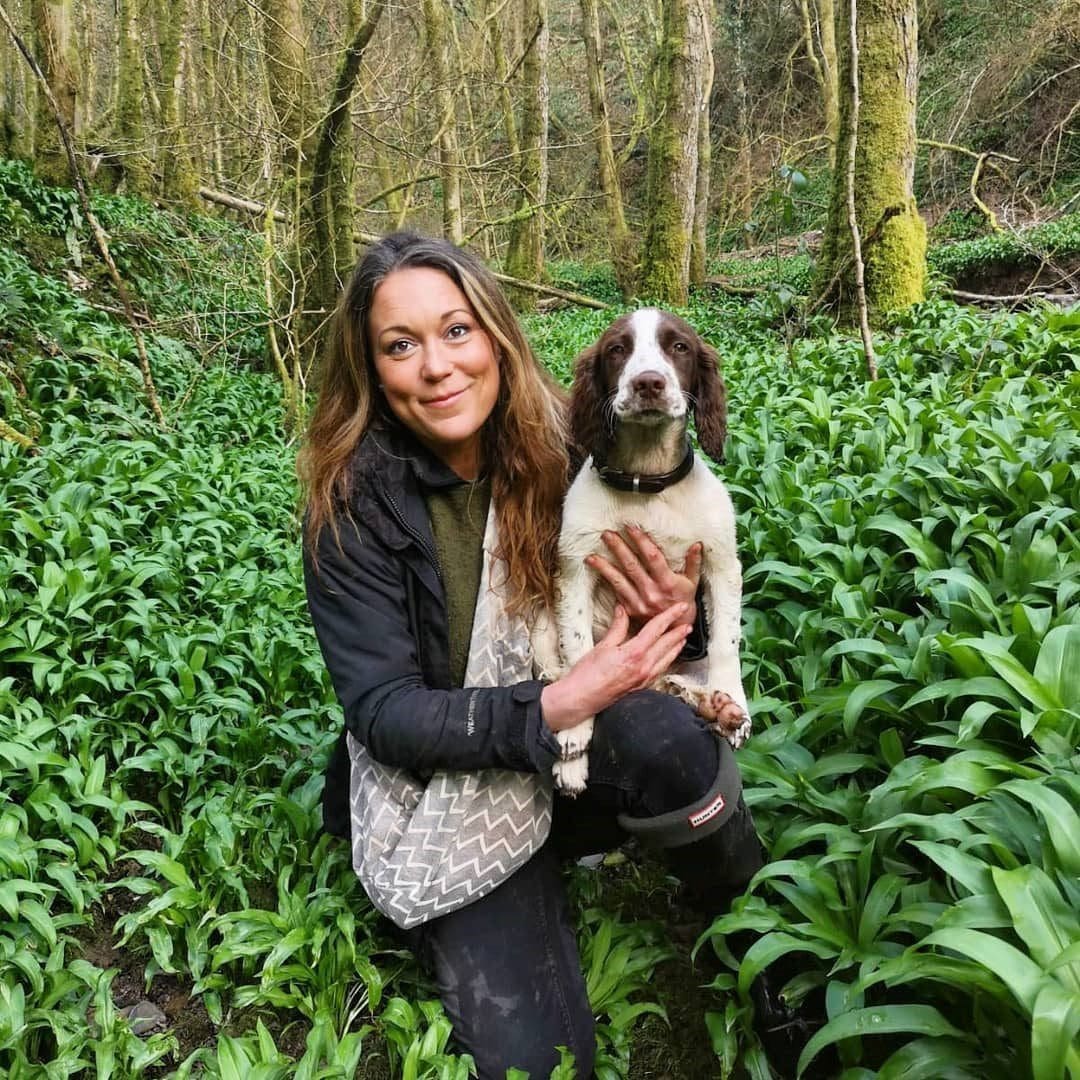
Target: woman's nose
[{"x": 437, "y": 362}]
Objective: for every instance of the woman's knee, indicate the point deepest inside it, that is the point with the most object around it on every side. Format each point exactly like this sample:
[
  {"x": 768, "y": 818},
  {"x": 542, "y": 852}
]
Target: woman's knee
[{"x": 657, "y": 747}]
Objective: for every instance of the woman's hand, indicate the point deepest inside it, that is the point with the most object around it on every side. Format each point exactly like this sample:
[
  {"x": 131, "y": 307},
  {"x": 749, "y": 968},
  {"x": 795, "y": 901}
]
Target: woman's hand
[
  {"x": 641, "y": 578},
  {"x": 616, "y": 665}
]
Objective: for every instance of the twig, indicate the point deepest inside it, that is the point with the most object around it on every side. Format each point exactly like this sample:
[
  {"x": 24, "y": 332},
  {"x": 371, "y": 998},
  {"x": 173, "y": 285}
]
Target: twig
[
  {"x": 981, "y": 158},
  {"x": 856, "y": 241},
  {"x": 95, "y": 225}
]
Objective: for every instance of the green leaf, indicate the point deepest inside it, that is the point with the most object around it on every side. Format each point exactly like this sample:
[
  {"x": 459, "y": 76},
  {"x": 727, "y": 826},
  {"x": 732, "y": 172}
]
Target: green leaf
[
  {"x": 1015, "y": 969},
  {"x": 883, "y": 1020},
  {"x": 1043, "y": 919},
  {"x": 862, "y": 695},
  {"x": 1055, "y": 1022},
  {"x": 1057, "y": 666},
  {"x": 1062, "y": 821}
]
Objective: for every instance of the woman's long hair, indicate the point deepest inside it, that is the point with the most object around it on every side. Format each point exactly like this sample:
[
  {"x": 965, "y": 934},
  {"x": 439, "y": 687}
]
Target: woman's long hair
[{"x": 524, "y": 439}]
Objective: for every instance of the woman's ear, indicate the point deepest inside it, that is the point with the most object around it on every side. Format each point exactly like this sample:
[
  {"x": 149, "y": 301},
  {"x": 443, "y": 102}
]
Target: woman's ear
[
  {"x": 590, "y": 433},
  {"x": 710, "y": 408}
]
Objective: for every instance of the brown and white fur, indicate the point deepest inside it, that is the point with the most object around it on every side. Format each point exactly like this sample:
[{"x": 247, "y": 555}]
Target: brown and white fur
[{"x": 632, "y": 395}]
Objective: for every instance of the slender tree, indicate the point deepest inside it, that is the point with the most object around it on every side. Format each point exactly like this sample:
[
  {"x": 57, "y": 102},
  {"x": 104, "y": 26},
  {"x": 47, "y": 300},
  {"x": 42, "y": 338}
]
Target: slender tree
[
  {"x": 132, "y": 127},
  {"x": 623, "y": 254},
  {"x": 55, "y": 43},
  {"x": 179, "y": 181},
  {"x": 437, "y": 43},
  {"x": 704, "y": 159},
  {"x": 525, "y": 251},
  {"x": 673, "y": 152},
  {"x": 892, "y": 234}
]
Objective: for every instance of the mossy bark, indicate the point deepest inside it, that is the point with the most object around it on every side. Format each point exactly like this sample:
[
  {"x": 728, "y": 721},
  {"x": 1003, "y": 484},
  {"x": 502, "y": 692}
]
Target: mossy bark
[
  {"x": 673, "y": 153},
  {"x": 132, "y": 129},
  {"x": 54, "y": 33},
  {"x": 179, "y": 179},
  {"x": 623, "y": 254},
  {"x": 704, "y": 162},
  {"x": 525, "y": 250},
  {"x": 437, "y": 35},
  {"x": 893, "y": 234},
  {"x": 330, "y": 198}
]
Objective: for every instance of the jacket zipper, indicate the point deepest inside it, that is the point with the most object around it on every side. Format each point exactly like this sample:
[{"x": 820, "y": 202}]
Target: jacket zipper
[{"x": 416, "y": 536}]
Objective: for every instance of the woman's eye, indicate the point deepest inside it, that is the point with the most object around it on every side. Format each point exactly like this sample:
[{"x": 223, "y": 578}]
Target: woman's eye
[
  {"x": 396, "y": 348},
  {"x": 458, "y": 330}
]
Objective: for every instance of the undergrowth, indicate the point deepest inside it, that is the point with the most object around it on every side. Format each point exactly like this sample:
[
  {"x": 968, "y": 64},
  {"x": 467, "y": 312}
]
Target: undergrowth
[{"x": 911, "y": 648}]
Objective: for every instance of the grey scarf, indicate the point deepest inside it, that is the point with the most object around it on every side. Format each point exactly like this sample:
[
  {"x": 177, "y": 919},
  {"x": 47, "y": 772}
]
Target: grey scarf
[{"x": 423, "y": 850}]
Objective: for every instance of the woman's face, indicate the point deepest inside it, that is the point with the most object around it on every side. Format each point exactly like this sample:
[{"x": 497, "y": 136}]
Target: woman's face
[{"x": 435, "y": 362}]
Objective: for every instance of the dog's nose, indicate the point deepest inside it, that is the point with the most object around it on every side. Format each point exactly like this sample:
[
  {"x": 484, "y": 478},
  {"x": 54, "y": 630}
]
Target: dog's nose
[{"x": 648, "y": 384}]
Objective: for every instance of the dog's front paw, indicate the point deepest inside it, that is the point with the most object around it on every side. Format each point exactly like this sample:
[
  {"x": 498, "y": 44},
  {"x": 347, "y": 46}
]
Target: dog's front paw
[
  {"x": 575, "y": 741},
  {"x": 725, "y": 715},
  {"x": 570, "y": 776}
]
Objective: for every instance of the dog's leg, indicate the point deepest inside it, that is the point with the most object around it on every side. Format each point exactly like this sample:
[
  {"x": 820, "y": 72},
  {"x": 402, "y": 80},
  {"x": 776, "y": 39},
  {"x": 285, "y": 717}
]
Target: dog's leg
[
  {"x": 723, "y": 701},
  {"x": 545, "y": 645},
  {"x": 575, "y": 615}
]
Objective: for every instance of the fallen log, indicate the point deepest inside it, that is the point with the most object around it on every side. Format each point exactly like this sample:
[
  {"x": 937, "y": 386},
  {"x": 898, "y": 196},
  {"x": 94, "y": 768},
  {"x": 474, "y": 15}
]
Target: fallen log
[
  {"x": 1014, "y": 298},
  {"x": 250, "y": 206}
]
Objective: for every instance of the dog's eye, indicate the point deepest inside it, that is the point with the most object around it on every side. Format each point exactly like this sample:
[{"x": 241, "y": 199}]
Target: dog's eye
[
  {"x": 615, "y": 350},
  {"x": 680, "y": 346}
]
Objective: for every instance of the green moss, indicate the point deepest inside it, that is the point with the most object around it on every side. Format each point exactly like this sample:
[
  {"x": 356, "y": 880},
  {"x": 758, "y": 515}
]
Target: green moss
[{"x": 892, "y": 233}]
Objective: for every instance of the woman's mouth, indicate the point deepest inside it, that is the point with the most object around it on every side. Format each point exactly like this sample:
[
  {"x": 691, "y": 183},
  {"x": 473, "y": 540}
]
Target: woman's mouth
[{"x": 445, "y": 400}]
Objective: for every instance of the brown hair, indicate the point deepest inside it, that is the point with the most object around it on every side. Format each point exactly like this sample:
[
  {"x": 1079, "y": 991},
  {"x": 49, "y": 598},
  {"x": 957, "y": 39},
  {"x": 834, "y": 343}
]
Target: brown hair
[{"x": 524, "y": 438}]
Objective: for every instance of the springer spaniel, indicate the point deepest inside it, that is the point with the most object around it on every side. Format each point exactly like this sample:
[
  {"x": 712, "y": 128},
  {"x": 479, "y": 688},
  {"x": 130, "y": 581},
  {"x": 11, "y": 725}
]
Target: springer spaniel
[{"x": 629, "y": 408}]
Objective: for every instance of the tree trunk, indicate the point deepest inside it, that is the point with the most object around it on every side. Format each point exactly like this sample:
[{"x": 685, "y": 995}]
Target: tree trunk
[
  {"x": 332, "y": 219},
  {"x": 623, "y": 256},
  {"x": 742, "y": 187},
  {"x": 673, "y": 153},
  {"x": 54, "y": 31},
  {"x": 893, "y": 234},
  {"x": 131, "y": 124},
  {"x": 16, "y": 119},
  {"x": 819, "y": 40},
  {"x": 525, "y": 252},
  {"x": 437, "y": 34},
  {"x": 830, "y": 73},
  {"x": 704, "y": 163},
  {"x": 286, "y": 62},
  {"x": 179, "y": 181}
]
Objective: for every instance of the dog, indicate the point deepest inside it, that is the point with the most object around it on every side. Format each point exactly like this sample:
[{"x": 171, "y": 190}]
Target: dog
[{"x": 632, "y": 395}]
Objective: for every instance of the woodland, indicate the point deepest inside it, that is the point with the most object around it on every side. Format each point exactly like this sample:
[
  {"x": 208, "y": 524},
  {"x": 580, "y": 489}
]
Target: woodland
[{"x": 872, "y": 210}]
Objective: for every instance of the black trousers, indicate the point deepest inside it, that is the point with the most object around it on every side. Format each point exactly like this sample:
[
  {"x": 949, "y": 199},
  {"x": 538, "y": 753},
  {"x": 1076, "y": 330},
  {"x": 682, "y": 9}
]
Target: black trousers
[{"x": 507, "y": 966}]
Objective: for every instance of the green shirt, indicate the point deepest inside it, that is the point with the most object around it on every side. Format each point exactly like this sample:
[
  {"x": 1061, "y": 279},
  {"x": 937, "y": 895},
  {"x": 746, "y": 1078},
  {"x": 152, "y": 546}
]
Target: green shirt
[{"x": 458, "y": 518}]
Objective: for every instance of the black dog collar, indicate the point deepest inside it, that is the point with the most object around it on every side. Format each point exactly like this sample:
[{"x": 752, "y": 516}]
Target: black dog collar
[{"x": 647, "y": 483}]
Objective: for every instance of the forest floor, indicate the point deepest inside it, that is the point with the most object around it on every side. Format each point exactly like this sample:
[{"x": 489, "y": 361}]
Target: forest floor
[{"x": 911, "y": 646}]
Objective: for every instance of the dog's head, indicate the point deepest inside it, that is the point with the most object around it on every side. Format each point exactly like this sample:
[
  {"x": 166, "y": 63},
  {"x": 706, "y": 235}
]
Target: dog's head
[{"x": 649, "y": 367}]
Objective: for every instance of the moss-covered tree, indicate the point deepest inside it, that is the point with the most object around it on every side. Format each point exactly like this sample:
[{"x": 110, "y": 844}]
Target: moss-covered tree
[
  {"x": 525, "y": 250},
  {"x": 622, "y": 247},
  {"x": 673, "y": 152},
  {"x": 55, "y": 42},
  {"x": 892, "y": 232},
  {"x": 132, "y": 126},
  {"x": 179, "y": 180},
  {"x": 704, "y": 162},
  {"x": 437, "y": 14}
]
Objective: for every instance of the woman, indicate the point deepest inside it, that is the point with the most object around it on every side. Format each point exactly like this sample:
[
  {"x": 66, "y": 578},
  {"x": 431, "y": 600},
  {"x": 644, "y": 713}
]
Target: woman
[{"x": 432, "y": 412}]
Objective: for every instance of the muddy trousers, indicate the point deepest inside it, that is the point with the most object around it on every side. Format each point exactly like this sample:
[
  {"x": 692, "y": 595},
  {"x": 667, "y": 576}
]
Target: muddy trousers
[{"x": 507, "y": 966}]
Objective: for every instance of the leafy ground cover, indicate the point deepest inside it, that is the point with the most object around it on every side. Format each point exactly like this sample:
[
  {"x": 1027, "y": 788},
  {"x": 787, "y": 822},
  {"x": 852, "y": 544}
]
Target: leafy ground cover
[{"x": 912, "y": 649}]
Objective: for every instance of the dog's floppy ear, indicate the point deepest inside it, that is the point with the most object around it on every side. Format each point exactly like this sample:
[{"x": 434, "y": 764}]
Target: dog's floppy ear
[
  {"x": 589, "y": 431},
  {"x": 710, "y": 408}
]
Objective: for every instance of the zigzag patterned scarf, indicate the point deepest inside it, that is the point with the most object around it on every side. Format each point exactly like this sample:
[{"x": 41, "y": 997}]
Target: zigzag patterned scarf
[{"x": 421, "y": 851}]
